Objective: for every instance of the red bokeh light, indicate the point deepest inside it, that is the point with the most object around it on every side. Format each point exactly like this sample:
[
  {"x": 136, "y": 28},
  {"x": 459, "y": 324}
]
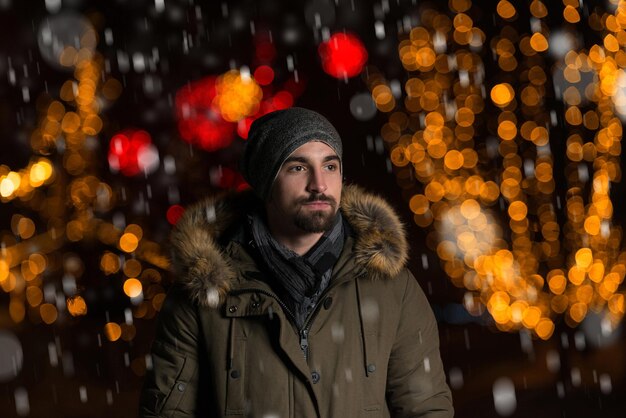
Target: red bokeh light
[
  {"x": 227, "y": 178},
  {"x": 295, "y": 88},
  {"x": 127, "y": 152},
  {"x": 174, "y": 213},
  {"x": 242, "y": 187},
  {"x": 343, "y": 55},
  {"x": 199, "y": 123},
  {"x": 265, "y": 51},
  {"x": 267, "y": 105},
  {"x": 282, "y": 100},
  {"x": 264, "y": 75},
  {"x": 243, "y": 127}
]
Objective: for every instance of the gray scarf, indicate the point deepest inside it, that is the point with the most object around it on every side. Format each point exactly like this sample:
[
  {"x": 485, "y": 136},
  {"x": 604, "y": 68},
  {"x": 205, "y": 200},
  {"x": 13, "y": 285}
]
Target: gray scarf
[{"x": 301, "y": 279}]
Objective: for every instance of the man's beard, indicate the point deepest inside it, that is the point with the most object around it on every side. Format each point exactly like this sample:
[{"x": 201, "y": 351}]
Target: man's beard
[{"x": 317, "y": 221}]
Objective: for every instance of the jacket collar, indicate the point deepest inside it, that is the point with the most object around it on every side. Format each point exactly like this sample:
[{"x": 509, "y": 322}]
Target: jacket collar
[{"x": 206, "y": 267}]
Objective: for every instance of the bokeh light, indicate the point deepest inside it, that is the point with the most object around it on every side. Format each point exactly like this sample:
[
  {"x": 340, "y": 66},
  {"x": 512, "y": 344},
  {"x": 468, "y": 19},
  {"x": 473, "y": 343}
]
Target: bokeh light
[
  {"x": 132, "y": 288},
  {"x": 77, "y": 306},
  {"x": 131, "y": 152},
  {"x": 129, "y": 242},
  {"x": 343, "y": 55},
  {"x": 112, "y": 331},
  {"x": 524, "y": 263}
]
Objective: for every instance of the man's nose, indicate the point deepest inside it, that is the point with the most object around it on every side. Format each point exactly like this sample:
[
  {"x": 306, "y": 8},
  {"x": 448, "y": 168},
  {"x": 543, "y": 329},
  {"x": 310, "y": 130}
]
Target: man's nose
[{"x": 317, "y": 183}]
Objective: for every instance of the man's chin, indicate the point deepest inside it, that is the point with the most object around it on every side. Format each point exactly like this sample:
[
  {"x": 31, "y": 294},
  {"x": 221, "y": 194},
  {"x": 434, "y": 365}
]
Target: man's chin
[{"x": 316, "y": 222}]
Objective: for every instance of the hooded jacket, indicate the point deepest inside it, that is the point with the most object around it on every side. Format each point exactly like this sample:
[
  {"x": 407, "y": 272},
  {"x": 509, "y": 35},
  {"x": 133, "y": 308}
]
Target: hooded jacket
[{"x": 225, "y": 345}]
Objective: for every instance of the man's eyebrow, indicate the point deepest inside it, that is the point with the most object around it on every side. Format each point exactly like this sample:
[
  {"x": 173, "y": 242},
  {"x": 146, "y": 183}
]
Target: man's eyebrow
[
  {"x": 307, "y": 161},
  {"x": 295, "y": 159}
]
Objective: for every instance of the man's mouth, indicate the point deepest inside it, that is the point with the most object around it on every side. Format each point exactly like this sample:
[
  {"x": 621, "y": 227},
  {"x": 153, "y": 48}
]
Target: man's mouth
[{"x": 317, "y": 204}]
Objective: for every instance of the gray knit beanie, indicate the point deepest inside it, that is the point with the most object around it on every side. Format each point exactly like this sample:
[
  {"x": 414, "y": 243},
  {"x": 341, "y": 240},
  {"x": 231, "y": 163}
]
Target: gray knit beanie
[{"x": 274, "y": 137}]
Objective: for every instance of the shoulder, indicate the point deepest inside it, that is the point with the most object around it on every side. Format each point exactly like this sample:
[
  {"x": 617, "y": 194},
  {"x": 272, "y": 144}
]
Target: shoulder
[
  {"x": 397, "y": 291},
  {"x": 391, "y": 289},
  {"x": 199, "y": 259},
  {"x": 179, "y": 309}
]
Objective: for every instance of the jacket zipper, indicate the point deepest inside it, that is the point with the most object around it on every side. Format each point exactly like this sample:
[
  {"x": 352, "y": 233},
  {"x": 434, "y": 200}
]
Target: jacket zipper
[
  {"x": 304, "y": 332},
  {"x": 304, "y": 342}
]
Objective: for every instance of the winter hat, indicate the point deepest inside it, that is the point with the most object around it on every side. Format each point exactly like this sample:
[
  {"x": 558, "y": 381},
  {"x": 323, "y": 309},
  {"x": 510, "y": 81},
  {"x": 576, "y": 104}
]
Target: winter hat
[{"x": 275, "y": 136}]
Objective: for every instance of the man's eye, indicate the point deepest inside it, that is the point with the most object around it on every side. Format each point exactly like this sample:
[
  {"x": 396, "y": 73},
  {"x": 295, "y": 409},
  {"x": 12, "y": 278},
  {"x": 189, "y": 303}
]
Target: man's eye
[
  {"x": 332, "y": 167},
  {"x": 296, "y": 168}
]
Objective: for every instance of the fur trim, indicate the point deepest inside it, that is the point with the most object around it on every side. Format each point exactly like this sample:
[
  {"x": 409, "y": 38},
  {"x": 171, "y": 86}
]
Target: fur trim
[
  {"x": 199, "y": 262},
  {"x": 206, "y": 272},
  {"x": 381, "y": 244}
]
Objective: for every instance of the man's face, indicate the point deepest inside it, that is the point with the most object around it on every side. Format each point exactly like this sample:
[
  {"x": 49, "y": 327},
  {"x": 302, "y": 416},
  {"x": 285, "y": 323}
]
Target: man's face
[{"x": 307, "y": 190}]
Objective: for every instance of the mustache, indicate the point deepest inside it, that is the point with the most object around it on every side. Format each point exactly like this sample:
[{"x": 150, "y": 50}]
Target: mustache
[{"x": 318, "y": 197}]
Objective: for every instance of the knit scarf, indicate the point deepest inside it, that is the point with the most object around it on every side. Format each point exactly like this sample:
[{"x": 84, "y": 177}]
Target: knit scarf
[{"x": 302, "y": 279}]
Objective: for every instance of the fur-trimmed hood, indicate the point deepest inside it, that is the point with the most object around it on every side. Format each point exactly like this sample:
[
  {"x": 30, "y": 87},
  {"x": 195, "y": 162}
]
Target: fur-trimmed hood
[{"x": 203, "y": 267}]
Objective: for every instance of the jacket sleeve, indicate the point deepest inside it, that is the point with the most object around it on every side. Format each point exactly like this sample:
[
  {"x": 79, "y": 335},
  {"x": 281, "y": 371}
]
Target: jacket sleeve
[
  {"x": 416, "y": 382},
  {"x": 170, "y": 387}
]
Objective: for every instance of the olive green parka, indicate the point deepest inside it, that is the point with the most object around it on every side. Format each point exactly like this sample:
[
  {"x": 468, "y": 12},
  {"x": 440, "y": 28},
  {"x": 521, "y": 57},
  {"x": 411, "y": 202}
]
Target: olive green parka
[{"x": 225, "y": 345}]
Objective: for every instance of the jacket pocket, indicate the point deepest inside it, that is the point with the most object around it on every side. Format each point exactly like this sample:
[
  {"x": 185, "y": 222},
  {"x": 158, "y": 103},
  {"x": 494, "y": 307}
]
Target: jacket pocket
[
  {"x": 235, "y": 379},
  {"x": 175, "y": 382},
  {"x": 183, "y": 394}
]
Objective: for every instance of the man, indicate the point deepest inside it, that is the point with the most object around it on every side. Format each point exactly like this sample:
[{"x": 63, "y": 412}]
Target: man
[{"x": 294, "y": 300}]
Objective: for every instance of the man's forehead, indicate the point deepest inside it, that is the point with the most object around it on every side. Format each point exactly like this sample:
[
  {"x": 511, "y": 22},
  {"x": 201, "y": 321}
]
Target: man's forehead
[{"x": 314, "y": 147}]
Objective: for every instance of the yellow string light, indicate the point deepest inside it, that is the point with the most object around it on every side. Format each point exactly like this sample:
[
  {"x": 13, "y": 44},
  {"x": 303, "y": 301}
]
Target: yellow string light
[
  {"x": 72, "y": 119},
  {"x": 584, "y": 264}
]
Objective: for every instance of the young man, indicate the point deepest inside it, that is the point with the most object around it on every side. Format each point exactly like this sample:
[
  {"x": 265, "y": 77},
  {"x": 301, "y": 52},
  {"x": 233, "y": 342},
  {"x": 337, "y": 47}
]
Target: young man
[{"x": 294, "y": 300}]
